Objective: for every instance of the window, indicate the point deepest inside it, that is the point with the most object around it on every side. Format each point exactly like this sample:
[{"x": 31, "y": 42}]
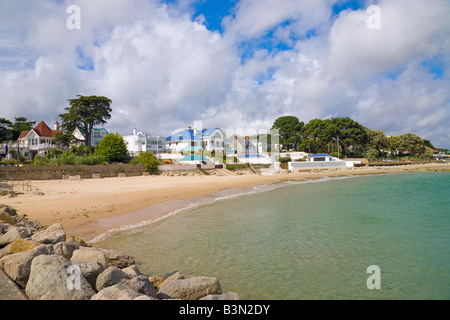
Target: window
[{"x": 218, "y": 135}]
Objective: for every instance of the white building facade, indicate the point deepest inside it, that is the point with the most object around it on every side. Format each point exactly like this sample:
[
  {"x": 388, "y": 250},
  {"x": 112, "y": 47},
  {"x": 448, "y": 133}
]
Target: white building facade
[{"x": 144, "y": 142}]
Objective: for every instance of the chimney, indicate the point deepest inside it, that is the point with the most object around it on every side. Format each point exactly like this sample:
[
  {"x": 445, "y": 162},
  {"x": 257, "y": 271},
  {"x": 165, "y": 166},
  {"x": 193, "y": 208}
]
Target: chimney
[
  {"x": 134, "y": 131},
  {"x": 56, "y": 126}
]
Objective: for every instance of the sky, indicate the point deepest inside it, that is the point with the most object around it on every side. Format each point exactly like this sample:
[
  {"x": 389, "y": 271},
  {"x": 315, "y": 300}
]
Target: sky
[{"x": 231, "y": 64}]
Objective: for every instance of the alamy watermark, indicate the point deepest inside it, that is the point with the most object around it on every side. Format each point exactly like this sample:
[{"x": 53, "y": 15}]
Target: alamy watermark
[
  {"x": 374, "y": 20},
  {"x": 73, "y": 277},
  {"x": 73, "y": 22},
  {"x": 374, "y": 280}
]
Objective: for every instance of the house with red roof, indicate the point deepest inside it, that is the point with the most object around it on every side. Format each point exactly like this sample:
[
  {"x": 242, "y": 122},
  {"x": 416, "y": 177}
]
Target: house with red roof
[{"x": 39, "y": 140}]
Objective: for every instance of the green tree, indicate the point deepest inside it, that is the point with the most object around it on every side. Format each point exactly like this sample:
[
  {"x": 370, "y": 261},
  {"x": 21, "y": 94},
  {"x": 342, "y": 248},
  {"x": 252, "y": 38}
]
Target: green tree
[
  {"x": 290, "y": 129},
  {"x": 313, "y": 131},
  {"x": 113, "y": 148},
  {"x": 414, "y": 144},
  {"x": 395, "y": 145},
  {"x": 5, "y": 130},
  {"x": 86, "y": 112},
  {"x": 351, "y": 135},
  {"x": 20, "y": 124},
  {"x": 376, "y": 144}
]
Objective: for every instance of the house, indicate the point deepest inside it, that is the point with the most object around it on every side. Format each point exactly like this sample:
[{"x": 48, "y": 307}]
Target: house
[
  {"x": 144, "y": 142},
  {"x": 320, "y": 157},
  {"x": 321, "y": 160},
  {"x": 37, "y": 141},
  {"x": 205, "y": 139},
  {"x": 96, "y": 136}
]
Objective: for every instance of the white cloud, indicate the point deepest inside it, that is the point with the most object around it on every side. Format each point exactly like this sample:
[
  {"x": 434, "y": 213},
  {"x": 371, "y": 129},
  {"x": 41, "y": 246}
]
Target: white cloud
[{"x": 164, "y": 70}]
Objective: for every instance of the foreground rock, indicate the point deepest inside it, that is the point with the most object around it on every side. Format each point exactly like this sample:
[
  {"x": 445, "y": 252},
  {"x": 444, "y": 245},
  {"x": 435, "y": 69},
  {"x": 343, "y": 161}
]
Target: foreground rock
[
  {"x": 190, "y": 289},
  {"x": 50, "y": 279},
  {"x": 43, "y": 264}
]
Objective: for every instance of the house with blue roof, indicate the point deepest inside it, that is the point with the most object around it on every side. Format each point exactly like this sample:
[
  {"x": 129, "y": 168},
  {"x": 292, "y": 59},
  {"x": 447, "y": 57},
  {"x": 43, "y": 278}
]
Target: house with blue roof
[{"x": 195, "y": 140}]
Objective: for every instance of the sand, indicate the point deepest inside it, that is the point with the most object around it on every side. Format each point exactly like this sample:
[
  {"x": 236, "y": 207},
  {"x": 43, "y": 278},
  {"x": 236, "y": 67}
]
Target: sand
[{"x": 91, "y": 207}]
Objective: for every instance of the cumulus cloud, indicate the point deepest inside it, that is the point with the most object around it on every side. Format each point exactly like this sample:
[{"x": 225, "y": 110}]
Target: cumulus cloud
[{"x": 164, "y": 69}]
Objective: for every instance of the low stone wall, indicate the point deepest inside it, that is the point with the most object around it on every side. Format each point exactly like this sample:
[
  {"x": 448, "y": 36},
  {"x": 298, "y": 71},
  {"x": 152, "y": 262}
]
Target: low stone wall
[{"x": 48, "y": 172}]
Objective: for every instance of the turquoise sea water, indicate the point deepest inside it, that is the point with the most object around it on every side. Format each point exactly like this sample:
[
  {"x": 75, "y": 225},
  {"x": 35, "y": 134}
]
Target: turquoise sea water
[{"x": 311, "y": 240}]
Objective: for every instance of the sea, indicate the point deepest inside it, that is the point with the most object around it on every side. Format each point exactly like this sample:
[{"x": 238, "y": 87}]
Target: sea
[{"x": 350, "y": 238}]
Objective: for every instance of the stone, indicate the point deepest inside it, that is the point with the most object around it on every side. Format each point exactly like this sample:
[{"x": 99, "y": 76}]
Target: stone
[
  {"x": 90, "y": 270},
  {"x": 91, "y": 255},
  {"x": 224, "y": 296},
  {"x": 131, "y": 271},
  {"x": 6, "y": 218},
  {"x": 9, "y": 290},
  {"x": 119, "y": 291},
  {"x": 7, "y": 209},
  {"x": 142, "y": 285},
  {"x": 118, "y": 259},
  {"x": 22, "y": 245},
  {"x": 189, "y": 289},
  {"x": 75, "y": 178},
  {"x": 18, "y": 265},
  {"x": 156, "y": 281},
  {"x": 106, "y": 257},
  {"x": 109, "y": 277},
  {"x": 53, "y": 234},
  {"x": 76, "y": 243},
  {"x": 63, "y": 249},
  {"x": 13, "y": 234},
  {"x": 52, "y": 278}
]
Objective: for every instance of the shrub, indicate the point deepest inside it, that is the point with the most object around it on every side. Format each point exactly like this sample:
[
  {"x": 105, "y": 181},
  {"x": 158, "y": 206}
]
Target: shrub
[
  {"x": 148, "y": 160},
  {"x": 113, "y": 148}
]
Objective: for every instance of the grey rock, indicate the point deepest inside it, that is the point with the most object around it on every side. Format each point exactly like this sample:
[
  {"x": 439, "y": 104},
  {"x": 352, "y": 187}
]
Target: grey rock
[
  {"x": 119, "y": 291},
  {"x": 53, "y": 277},
  {"x": 131, "y": 271},
  {"x": 63, "y": 249},
  {"x": 109, "y": 277},
  {"x": 90, "y": 270},
  {"x": 13, "y": 234},
  {"x": 53, "y": 234},
  {"x": 142, "y": 285},
  {"x": 189, "y": 289},
  {"x": 18, "y": 265}
]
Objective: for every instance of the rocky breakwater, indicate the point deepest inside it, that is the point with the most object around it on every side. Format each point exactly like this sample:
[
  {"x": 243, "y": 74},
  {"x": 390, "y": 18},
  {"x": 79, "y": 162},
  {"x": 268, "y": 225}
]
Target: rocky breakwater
[{"x": 45, "y": 264}]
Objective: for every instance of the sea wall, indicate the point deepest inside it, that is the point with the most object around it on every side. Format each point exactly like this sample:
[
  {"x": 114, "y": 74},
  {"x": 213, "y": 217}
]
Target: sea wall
[{"x": 43, "y": 263}]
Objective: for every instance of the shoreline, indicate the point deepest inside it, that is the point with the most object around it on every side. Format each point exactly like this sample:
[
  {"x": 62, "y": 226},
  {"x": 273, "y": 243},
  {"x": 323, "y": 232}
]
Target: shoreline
[{"x": 89, "y": 208}]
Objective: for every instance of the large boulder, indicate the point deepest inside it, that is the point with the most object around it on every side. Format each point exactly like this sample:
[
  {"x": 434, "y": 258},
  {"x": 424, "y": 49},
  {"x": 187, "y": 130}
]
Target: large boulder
[
  {"x": 53, "y": 234},
  {"x": 90, "y": 254},
  {"x": 18, "y": 265},
  {"x": 13, "y": 234},
  {"x": 63, "y": 249},
  {"x": 106, "y": 257},
  {"x": 141, "y": 284},
  {"x": 53, "y": 277},
  {"x": 189, "y": 289},
  {"x": 120, "y": 291},
  {"x": 111, "y": 276},
  {"x": 90, "y": 270}
]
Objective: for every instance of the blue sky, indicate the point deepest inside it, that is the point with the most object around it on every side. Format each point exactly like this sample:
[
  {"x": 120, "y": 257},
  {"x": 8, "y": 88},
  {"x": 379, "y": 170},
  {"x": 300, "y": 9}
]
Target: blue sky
[{"x": 231, "y": 63}]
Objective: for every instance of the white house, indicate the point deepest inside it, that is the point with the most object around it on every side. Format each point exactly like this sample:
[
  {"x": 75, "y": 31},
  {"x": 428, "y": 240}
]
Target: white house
[
  {"x": 144, "y": 142},
  {"x": 194, "y": 140},
  {"x": 96, "y": 136},
  {"x": 321, "y": 160},
  {"x": 38, "y": 140}
]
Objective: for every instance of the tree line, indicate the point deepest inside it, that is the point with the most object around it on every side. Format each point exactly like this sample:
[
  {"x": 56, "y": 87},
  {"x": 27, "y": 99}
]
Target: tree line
[{"x": 344, "y": 137}]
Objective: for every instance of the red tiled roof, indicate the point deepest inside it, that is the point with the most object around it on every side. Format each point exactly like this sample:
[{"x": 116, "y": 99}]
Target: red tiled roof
[{"x": 42, "y": 130}]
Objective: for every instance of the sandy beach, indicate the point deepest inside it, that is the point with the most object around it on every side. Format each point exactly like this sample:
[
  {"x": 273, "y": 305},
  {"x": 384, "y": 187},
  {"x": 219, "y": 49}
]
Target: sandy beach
[{"x": 91, "y": 207}]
